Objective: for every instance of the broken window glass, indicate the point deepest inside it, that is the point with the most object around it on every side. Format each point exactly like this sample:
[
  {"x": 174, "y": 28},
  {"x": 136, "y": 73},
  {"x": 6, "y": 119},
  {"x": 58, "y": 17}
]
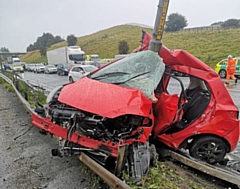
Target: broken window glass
[{"x": 142, "y": 70}]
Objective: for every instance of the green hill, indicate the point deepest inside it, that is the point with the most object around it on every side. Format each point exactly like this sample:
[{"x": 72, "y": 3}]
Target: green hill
[{"x": 208, "y": 46}]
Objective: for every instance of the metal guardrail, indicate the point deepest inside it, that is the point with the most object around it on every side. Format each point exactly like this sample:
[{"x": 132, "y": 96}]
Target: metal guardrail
[
  {"x": 23, "y": 100},
  {"x": 220, "y": 172}
]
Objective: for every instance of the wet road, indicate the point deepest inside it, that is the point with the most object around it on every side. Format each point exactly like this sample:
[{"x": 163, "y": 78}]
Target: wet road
[{"x": 47, "y": 81}]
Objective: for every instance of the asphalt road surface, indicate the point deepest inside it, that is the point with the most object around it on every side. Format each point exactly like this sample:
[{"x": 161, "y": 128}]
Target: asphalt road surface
[{"x": 47, "y": 81}]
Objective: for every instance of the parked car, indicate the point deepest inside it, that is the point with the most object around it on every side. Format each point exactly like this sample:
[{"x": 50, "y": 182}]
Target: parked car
[
  {"x": 50, "y": 69},
  {"x": 119, "y": 112},
  {"x": 221, "y": 67},
  {"x": 24, "y": 65},
  {"x": 39, "y": 68},
  {"x": 90, "y": 63},
  {"x": 30, "y": 67},
  {"x": 106, "y": 60},
  {"x": 17, "y": 67},
  {"x": 62, "y": 69},
  {"x": 71, "y": 65},
  {"x": 27, "y": 67},
  {"x": 97, "y": 64},
  {"x": 79, "y": 71}
]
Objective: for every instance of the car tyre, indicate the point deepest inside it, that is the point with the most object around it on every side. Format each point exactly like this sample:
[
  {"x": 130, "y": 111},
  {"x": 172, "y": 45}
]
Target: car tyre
[
  {"x": 210, "y": 149},
  {"x": 71, "y": 79},
  {"x": 222, "y": 73}
]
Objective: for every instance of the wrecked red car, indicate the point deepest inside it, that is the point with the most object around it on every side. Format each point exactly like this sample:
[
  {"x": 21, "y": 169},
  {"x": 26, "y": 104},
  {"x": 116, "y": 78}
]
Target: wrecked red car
[
  {"x": 198, "y": 113},
  {"x": 115, "y": 113}
]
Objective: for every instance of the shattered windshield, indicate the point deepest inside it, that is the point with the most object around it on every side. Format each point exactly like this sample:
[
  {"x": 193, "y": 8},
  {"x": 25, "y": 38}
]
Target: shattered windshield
[{"x": 142, "y": 70}]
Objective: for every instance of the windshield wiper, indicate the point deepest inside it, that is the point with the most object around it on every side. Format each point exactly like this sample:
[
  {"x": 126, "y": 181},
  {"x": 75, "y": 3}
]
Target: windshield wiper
[
  {"x": 131, "y": 78},
  {"x": 110, "y": 74}
]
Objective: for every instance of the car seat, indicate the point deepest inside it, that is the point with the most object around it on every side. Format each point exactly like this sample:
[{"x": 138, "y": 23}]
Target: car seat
[{"x": 198, "y": 100}]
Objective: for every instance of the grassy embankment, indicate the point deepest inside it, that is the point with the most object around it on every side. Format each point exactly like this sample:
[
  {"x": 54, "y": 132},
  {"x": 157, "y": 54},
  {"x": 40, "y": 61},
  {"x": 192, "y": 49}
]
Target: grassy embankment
[{"x": 208, "y": 46}]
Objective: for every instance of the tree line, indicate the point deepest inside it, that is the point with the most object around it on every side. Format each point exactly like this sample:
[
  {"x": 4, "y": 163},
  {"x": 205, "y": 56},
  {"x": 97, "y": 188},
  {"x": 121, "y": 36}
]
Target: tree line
[
  {"x": 176, "y": 22},
  {"x": 47, "y": 39}
]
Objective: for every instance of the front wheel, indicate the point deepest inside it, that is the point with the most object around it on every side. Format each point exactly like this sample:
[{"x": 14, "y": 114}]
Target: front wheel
[
  {"x": 210, "y": 149},
  {"x": 223, "y": 73},
  {"x": 71, "y": 79}
]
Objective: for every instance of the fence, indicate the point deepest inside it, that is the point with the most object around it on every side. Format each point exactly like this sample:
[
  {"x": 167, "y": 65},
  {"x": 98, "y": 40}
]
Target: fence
[{"x": 195, "y": 29}]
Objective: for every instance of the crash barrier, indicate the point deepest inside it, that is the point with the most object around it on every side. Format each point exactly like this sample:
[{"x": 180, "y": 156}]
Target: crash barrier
[
  {"x": 209, "y": 29},
  {"x": 107, "y": 176},
  {"x": 23, "y": 100},
  {"x": 218, "y": 171},
  {"x": 195, "y": 29}
]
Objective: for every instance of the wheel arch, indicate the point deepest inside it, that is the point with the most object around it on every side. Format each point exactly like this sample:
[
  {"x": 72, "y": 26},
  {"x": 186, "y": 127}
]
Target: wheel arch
[
  {"x": 70, "y": 78},
  {"x": 221, "y": 71},
  {"x": 186, "y": 143}
]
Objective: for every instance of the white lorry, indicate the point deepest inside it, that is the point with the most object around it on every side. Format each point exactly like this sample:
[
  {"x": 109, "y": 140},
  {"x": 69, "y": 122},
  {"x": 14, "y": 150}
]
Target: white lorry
[
  {"x": 10, "y": 61},
  {"x": 66, "y": 55}
]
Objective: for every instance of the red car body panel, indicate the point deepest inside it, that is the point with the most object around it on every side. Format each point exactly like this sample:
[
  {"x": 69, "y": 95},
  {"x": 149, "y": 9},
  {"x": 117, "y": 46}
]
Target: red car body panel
[
  {"x": 220, "y": 117},
  {"x": 47, "y": 125},
  {"x": 105, "y": 99}
]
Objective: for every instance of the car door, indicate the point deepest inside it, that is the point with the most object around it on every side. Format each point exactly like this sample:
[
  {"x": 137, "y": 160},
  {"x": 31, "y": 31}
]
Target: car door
[
  {"x": 237, "y": 66},
  {"x": 74, "y": 73},
  {"x": 60, "y": 69},
  {"x": 77, "y": 73}
]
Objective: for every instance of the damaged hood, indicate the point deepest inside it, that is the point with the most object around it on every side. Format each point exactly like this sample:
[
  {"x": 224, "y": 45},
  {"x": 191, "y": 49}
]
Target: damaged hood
[
  {"x": 123, "y": 87},
  {"x": 104, "y": 99}
]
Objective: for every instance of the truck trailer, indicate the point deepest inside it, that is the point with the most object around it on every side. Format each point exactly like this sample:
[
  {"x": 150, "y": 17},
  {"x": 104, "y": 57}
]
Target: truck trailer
[{"x": 66, "y": 55}]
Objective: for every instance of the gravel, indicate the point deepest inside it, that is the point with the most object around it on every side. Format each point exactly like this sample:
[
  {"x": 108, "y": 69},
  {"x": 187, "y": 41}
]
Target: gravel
[{"x": 25, "y": 159}]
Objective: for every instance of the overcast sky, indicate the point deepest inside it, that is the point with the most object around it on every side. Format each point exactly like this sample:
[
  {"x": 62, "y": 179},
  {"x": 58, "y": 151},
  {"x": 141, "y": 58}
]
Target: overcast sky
[{"x": 23, "y": 21}]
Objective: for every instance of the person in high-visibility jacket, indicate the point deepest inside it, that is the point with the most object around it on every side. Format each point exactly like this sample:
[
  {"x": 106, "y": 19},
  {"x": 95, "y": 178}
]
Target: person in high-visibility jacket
[{"x": 231, "y": 68}]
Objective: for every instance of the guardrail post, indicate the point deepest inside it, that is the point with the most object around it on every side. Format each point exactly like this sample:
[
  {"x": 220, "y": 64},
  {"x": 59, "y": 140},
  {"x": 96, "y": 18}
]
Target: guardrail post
[{"x": 17, "y": 84}]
